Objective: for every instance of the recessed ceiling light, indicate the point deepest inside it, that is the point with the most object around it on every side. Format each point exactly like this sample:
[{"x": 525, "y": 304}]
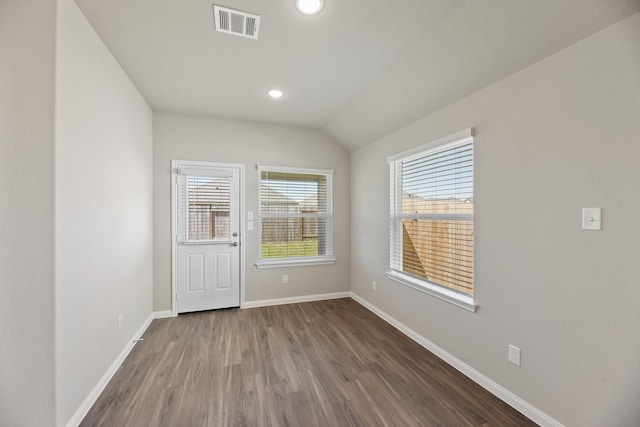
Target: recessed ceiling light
[
  {"x": 309, "y": 7},
  {"x": 275, "y": 93}
]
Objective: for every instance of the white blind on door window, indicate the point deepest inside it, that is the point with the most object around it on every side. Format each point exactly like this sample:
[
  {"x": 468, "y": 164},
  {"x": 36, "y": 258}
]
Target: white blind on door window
[
  {"x": 295, "y": 213},
  {"x": 432, "y": 215},
  {"x": 205, "y": 205}
]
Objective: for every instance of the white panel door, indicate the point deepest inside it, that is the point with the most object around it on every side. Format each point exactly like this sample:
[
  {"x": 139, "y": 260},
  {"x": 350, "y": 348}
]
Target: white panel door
[{"x": 207, "y": 238}]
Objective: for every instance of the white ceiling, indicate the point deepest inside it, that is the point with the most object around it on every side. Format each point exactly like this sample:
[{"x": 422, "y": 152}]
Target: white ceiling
[{"x": 357, "y": 70}]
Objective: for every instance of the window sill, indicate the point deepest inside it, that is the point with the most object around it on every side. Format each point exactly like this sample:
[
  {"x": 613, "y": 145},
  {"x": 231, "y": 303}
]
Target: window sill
[
  {"x": 450, "y": 296},
  {"x": 294, "y": 262}
]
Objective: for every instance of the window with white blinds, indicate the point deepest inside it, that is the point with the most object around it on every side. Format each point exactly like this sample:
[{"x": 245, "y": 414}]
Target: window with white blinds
[
  {"x": 432, "y": 218},
  {"x": 204, "y": 203},
  {"x": 295, "y": 213}
]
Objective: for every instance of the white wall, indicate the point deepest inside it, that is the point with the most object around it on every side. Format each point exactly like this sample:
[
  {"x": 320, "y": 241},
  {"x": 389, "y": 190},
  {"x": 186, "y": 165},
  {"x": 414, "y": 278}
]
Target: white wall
[
  {"x": 184, "y": 137},
  {"x": 104, "y": 188},
  {"x": 27, "y": 43},
  {"x": 558, "y": 136}
]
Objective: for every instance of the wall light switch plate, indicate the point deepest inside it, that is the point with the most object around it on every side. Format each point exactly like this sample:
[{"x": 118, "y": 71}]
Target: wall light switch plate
[
  {"x": 592, "y": 218},
  {"x": 250, "y": 225},
  {"x": 249, "y": 215}
]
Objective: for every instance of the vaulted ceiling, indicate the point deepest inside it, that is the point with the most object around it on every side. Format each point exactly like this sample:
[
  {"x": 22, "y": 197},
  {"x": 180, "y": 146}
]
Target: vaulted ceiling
[{"x": 357, "y": 70}]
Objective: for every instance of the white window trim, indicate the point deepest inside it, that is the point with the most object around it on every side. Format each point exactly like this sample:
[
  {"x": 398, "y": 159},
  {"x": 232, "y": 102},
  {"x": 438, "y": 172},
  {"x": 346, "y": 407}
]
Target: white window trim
[
  {"x": 294, "y": 262},
  {"x": 439, "y": 143},
  {"x": 297, "y": 261},
  {"x": 289, "y": 169},
  {"x": 441, "y": 292},
  {"x": 438, "y": 291}
]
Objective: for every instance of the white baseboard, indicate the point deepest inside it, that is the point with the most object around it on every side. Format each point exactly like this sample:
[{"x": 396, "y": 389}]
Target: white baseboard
[
  {"x": 162, "y": 314},
  {"x": 528, "y": 410},
  {"x": 294, "y": 300},
  {"x": 84, "y": 408}
]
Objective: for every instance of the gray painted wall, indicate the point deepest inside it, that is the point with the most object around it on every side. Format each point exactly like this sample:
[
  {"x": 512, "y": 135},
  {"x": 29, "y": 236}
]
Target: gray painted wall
[
  {"x": 103, "y": 179},
  {"x": 27, "y": 46},
  {"x": 551, "y": 139},
  {"x": 184, "y": 137},
  {"x": 556, "y": 137}
]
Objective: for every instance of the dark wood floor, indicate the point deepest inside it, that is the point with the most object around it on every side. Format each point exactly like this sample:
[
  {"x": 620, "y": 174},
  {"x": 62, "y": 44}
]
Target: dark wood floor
[{"x": 329, "y": 363}]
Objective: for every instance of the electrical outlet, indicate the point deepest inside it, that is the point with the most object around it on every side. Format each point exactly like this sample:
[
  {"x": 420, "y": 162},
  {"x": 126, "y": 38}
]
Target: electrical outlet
[
  {"x": 592, "y": 218},
  {"x": 514, "y": 355},
  {"x": 285, "y": 278},
  {"x": 120, "y": 322},
  {"x": 374, "y": 285}
]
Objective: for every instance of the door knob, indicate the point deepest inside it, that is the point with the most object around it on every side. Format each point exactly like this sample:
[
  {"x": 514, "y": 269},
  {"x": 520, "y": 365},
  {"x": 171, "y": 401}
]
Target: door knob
[{"x": 234, "y": 244}]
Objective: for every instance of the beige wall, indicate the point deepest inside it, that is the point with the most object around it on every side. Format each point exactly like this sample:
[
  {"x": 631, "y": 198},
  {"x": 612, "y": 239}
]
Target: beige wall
[
  {"x": 27, "y": 60},
  {"x": 103, "y": 178},
  {"x": 184, "y": 137},
  {"x": 558, "y": 136}
]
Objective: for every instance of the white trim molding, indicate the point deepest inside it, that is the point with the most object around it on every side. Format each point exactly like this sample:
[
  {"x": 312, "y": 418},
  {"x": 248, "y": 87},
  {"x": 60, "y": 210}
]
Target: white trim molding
[
  {"x": 440, "y": 142},
  {"x": 88, "y": 402},
  {"x": 445, "y": 294},
  {"x": 289, "y": 169},
  {"x": 295, "y": 300},
  {"x": 525, "y": 408},
  {"x": 163, "y": 314},
  {"x": 294, "y": 262}
]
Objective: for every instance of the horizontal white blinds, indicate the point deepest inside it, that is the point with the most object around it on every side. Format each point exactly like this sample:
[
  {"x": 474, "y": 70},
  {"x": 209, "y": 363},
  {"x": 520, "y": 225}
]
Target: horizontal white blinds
[
  {"x": 207, "y": 203},
  {"x": 432, "y": 215},
  {"x": 295, "y": 214},
  {"x": 211, "y": 172}
]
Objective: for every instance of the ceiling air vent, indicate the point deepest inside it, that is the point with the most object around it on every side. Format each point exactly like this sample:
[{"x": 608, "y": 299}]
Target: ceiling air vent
[{"x": 235, "y": 22}]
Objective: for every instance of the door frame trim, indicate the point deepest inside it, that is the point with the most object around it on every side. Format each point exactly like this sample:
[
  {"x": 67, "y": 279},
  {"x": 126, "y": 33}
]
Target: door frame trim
[{"x": 174, "y": 225}]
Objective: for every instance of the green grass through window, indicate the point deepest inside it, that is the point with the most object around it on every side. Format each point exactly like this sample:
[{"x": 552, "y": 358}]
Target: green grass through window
[{"x": 291, "y": 249}]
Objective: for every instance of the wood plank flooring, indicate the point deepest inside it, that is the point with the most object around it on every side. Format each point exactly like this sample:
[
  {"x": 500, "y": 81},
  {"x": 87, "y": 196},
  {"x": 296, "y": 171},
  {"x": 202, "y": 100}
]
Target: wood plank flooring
[{"x": 328, "y": 363}]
